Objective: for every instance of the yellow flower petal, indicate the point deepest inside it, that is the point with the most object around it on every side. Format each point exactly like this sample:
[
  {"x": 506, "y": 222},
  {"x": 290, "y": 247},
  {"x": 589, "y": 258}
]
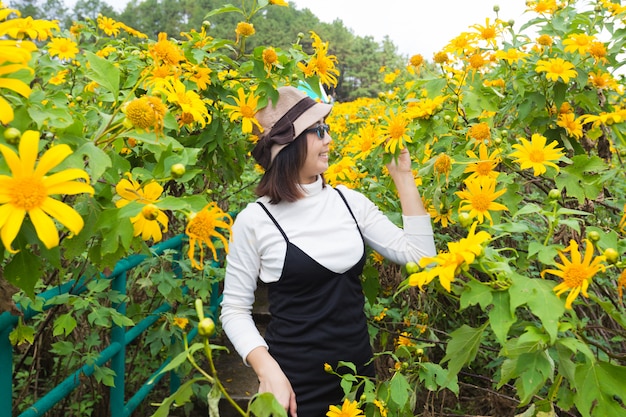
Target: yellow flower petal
[
  {"x": 51, "y": 158},
  {"x": 44, "y": 225},
  {"x": 66, "y": 215},
  {"x": 13, "y": 222}
]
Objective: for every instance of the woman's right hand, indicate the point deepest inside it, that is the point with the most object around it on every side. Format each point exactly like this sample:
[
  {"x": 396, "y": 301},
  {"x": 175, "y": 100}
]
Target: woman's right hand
[{"x": 272, "y": 379}]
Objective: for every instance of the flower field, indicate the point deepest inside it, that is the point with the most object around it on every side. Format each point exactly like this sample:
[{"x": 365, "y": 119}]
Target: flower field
[{"x": 112, "y": 141}]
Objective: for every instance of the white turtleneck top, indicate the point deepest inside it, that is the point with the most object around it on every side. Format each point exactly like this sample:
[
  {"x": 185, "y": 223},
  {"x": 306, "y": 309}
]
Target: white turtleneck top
[{"x": 320, "y": 225}]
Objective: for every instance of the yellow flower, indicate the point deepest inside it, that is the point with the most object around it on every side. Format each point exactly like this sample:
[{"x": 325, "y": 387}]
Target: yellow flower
[
  {"x": 381, "y": 407},
  {"x": 270, "y": 58},
  {"x": 165, "y": 51},
  {"x": 364, "y": 141},
  {"x": 488, "y": 33},
  {"x": 181, "y": 322},
  {"x": 29, "y": 188},
  {"x": 416, "y": 60},
  {"x": 64, "y": 48},
  {"x": 404, "y": 339},
  {"x": 535, "y": 154},
  {"x": 621, "y": 283},
  {"x": 395, "y": 131},
  {"x": 578, "y": 42},
  {"x": 512, "y": 56},
  {"x": 108, "y": 25},
  {"x": 486, "y": 164},
  {"x": 244, "y": 29},
  {"x": 598, "y": 51},
  {"x": 447, "y": 264},
  {"x": 146, "y": 112},
  {"x": 321, "y": 64},
  {"x": 543, "y": 6},
  {"x": 279, "y": 3},
  {"x": 480, "y": 131},
  {"x": 442, "y": 215},
  {"x": 441, "y": 58},
  {"x": 556, "y": 68},
  {"x": 571, "y": 124},
  {"x": 205, "y": 226},
  {"x": 577, "y": 273},
  {"x": 59, "y": 77},
  {"x": 545, "y": 40},
  {"x": 150, "y": 219},
  {"x": 244, "y": 108},
  {"x": 188, "y": 100},
  {"x": 602, "y": 80},
  {"x": 478, "y": 198},
  {"x": 348, "y": 409},
  {"x": 35, "y": 29},
  {"x": 200, "y": 76},
  {"x": 17, "y": 54},
  {"x": 343, "y": 172},
  {"x": 443, "y": 165}
]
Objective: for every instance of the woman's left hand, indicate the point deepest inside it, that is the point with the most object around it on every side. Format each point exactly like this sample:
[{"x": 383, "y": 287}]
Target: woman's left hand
[{"x": 400, "y": 165}]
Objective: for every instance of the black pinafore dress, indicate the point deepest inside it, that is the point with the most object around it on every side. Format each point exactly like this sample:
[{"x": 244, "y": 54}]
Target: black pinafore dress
[{"x": 316, "y": 318}]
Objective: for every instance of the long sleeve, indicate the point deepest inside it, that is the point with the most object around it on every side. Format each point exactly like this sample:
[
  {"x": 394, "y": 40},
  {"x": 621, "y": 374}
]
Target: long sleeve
[{"x": 320, "y": 225}]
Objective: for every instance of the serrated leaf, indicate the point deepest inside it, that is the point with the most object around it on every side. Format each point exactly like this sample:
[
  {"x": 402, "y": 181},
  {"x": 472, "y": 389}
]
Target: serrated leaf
[
  {"x": 500, "y": 316},
  {"x": 598, "y": 386},
  {"x": 22, "y": 334},
  {"x": 164, "y": 407},
  {"x": 266, "y": 405},
  {"x": 541, "y": 300},
  {"x": 462, "y": 348},
  {"x": 400, "y": 389},
  {"x": 534, "y": 369},
  {"x": 24, "y": 271},
  {"x": 64, "y": 325},
  {"x": 475, "y": 292},
  {"x": 104, "y": 73}
]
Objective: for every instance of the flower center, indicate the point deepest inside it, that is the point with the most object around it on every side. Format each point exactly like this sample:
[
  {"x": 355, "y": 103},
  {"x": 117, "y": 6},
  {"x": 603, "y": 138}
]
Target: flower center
[
  {"x": 483, "y": 168},
  {"x": 574, "y": 275},
  {"x": 27, "y": 193},
  {"x": 202, "y": 226},
  {"x": 480, "y": 202},
  {"x": 537, "y": 155}
]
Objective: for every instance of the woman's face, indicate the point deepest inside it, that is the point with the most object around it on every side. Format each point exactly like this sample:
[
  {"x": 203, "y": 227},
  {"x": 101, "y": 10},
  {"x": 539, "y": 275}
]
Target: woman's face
[{"x": 316, "y": 162}]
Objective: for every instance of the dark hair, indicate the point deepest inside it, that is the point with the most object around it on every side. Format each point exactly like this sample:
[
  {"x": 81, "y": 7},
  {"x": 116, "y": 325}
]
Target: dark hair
[{"x": 281, "y": 181}]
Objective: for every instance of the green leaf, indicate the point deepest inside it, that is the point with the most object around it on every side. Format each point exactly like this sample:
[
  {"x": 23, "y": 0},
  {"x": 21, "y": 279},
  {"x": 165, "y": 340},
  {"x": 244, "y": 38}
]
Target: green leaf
[
  {"x": 534, "y": 369},
  {"x": 580, "y": 179},
  {"x": 501, "y": 316},
  {"x": 104, "y": 73},
  {"x": 266, "y": 405},
  {"x": 24, "y": 271},
  {"x": 63, "y": 348},
  {"x": 541, "y": 300},
  {"x": 64, "y": 325},
  {"x": 400, "y": 389},
  {"x": 164, "y": 407},
  {"x": 22, "y": 334},
  {"x": 181, "y": 358},
  {"x": 104, "y": 375},
  {"x": 462, "y": 348},
  {"x": 475, "y": 292},
  {"x": 599, "y": 385},
  {"x": 434, "y": 377}
]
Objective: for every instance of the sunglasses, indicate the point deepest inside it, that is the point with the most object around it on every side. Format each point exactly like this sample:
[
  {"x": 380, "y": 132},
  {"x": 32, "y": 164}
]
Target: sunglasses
[{"x": 320, "y": 129}]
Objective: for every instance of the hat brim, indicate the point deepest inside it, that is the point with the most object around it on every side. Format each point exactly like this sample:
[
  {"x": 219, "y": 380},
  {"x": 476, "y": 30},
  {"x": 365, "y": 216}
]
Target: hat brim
[{"x": 313, "y": 115}]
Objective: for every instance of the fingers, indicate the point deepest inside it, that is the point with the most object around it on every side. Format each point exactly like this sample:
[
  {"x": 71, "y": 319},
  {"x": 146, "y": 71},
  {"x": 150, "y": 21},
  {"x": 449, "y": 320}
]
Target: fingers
[{"x": 292, "y": 405}]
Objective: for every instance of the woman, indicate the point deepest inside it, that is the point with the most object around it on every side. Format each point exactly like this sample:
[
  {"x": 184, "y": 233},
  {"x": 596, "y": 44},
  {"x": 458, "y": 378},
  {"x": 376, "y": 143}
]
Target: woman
[{"x": 307, "y": 241}]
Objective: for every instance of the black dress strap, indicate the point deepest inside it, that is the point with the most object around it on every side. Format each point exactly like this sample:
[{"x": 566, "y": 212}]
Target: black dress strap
[
  {"x": 280, "y": 229},
  {"x": 349, "y": 209}
]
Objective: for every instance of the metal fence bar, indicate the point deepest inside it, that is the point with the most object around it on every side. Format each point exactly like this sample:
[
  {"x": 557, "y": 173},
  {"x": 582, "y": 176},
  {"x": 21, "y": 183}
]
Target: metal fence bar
[
  {"x": 115, "y": 352},
  {"x": 118, "y": 361}
]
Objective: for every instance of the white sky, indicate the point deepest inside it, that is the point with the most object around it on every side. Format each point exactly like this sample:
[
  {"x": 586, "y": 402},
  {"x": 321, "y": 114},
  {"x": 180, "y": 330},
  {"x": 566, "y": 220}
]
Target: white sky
[{"x": 414, "y": 26}]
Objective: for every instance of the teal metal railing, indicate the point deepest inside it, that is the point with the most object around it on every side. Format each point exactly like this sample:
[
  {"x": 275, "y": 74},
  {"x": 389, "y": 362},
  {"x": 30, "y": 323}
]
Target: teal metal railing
[{"x": 115, "y": 352}]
